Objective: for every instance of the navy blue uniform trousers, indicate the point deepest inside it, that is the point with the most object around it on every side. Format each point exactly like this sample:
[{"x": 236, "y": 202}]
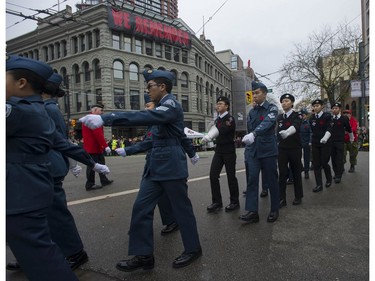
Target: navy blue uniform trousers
[
  {"x": 61, "y": 222},
  {"x": 30, "y": 241},
  {"x": 268, "y": 166},
  {"x": 141, "y": 235}
]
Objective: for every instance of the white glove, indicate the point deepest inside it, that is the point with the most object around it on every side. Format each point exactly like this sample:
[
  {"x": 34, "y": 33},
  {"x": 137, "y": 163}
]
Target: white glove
[
  {"x": 351, "y": 137},
  {"x": 194, "y": 160},
  {"x": 121, "y": 152},
  {"x": 108, "y": 150},
  {"x": 76, "y": 170},
  {"x": 205, "y": 139},
  {"x": 288, "y": 132},
  {"x": 92, "y": 121},
  {"x": 248, "y": 139},
  {"x": 324, "y": 139},
  {"x": 102, "y": 169}
]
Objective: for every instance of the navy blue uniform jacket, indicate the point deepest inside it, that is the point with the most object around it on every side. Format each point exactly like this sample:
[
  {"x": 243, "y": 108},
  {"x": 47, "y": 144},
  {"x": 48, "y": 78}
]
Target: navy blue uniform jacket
[
  {"x": 262, "y": 121},
  {"x": 167, "y": 159}
]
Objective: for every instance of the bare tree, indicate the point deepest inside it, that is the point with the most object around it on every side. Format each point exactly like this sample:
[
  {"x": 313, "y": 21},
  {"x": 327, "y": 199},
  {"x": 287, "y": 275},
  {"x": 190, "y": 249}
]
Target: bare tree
[{"x": 324, "y": 65}]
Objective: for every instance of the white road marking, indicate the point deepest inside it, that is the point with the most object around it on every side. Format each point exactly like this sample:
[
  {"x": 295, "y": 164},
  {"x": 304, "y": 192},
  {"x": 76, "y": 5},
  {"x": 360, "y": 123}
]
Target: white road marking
[{"x": 111, "y": 195}]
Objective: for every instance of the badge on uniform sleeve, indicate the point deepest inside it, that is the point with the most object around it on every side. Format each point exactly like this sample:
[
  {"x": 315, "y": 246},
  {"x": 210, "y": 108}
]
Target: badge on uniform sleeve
[
  {"x": 170, "y": 102},
  {"x": 229, "y": 121},
  {"x": 8, "y": 109}
]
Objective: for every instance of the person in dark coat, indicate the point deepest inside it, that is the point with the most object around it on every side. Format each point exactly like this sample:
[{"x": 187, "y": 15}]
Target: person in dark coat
[
  {"x": 340, "y": 126},
  {"x": 321, "y": 127},
  {"x": 306, "y": 134},
  {"x": 290, "y": 149},
  {"x": 166, "y": 172},
  {"x": 225, "y": 155}
]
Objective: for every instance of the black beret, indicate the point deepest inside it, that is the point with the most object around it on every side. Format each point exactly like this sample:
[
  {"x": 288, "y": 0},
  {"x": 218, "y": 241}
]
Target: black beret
[
  {"x": 336, "y": 104},
  {"x": 287, "y": 96},
  {"x": 151, "y": 74},
  {"x": 304, "y": 111},
  {"x": 317, "y": 101},
  {"x": 223, "y": 99}
]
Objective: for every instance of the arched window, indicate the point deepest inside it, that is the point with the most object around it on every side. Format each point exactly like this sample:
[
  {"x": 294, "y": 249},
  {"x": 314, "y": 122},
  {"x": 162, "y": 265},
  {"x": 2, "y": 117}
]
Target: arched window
[
  {"x": 77, "y": 77},
  {"x": 97, "y": 70},
  {"x": 86, "y": 71},
  {"x": 118, "y": 70},
  {"x": 184, "y": 80},
  {"x": 133, "y": 72}
]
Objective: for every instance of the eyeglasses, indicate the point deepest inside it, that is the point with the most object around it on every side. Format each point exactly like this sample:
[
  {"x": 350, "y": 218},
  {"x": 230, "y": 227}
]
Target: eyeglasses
[{"x": 151, "y": 85}]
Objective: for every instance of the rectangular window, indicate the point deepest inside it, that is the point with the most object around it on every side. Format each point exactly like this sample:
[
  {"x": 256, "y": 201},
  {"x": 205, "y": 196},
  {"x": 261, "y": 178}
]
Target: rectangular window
[
  {"x": 75, "y": 45},
  {"x": 45, "y": 51},
  {"x": 185, "y": 103},
  {"x": 134, "y": 100},
  {"x": 119, "y": 98},
  {"x": 89, "y": 40},
  {"x": 82, "y": 42},
  {"x": 116, "y": 41},
  {"x": 184, "y": 56},
  {"x": 158, "y": 50},
  {"x": 176, "y": 54},
  {"x": 65, "y": 50},
  {"x": 79, "y": 101},
  {"x": 138, "y": 46},
  {"x": 89, "y": 100},
  {"x": 98, "y": 95},
  {"x": 58, "y": 50},
  {"x": 128, "y": 44},
  {"x": 97, "y": 38},
  {"x": 149, "y": 48},
  {"x": 168, "y": 52}
]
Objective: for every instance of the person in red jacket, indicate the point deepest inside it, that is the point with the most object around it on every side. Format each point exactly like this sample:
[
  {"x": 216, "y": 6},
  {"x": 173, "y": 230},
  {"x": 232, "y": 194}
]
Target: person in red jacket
[
  {"x": 352, "y": 147},
  {"x": 95, "y": 144}
]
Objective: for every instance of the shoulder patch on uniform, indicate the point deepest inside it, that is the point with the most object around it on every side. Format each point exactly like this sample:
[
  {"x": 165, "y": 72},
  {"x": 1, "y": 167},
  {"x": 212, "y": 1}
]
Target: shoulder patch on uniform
[
  {"x": 8, "y": 109},
  {"x": 163, "y": 108},
  {"x": 170, "y": 102},
  {"x": 271, "y": 115},
  {"x": 273, "y": 108}
]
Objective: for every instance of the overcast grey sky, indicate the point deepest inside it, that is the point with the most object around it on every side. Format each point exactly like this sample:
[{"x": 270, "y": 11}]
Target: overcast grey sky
[{"x": 262, "y": 31}]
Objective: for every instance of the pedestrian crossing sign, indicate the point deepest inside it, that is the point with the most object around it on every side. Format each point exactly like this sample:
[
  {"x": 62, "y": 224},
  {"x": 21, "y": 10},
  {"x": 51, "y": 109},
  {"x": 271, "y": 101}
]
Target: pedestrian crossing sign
[{"x": 249, "y": 97}]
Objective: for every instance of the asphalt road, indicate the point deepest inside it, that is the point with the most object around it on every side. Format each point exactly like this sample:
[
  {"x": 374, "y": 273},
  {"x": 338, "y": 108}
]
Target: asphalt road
[{"x": 325, "y": 238}]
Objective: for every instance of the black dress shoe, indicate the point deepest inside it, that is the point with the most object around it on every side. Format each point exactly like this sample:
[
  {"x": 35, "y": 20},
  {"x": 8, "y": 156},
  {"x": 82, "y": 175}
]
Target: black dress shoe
[
  {"x": 282, "y": 203},
  {"x": 214, "y": 207},
  {"x": 318, "y": 188},
  {"x": 264, "y": 193},
  {"x": 297, "y": 201},
  {"x": 169, "y": 228},
  {"x": 186, "y": 258},
  {"x": 78, "y": 259},
  {"x": 13, "y": 266},
  {"x": 307, "y": 175},
  {"x": 250, "y": 217},
  {"x": 232, "y": 207},
  {"x": 137, "y": 262},
  {"x": 273, "y": 216},
  {"x": 108, "y": 182},
  {"x": 328, "y": 183},
  {"x": 351, "y": 170},
  {"x": 337, "y": 179},
  {"x": 93, "y": 187}
]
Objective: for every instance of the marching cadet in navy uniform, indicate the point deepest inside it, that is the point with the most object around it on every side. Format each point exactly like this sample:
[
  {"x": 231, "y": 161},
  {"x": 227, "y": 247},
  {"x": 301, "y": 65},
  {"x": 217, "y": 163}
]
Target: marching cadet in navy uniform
[
  {"x": 290, "y": 149},
  {"x": 321, "y": 127},
  {"x": 164, "y": 204},
  {"x": 340, "y": 125},
  {"x": 305, "y": 133},
  {"x": 29, "y": 183},
  {"x": 261, "y": 154},
  {"x": 225, "y": 154},
  {"x": 61, "y": 222},
  {"x": 167, "y": 172}
]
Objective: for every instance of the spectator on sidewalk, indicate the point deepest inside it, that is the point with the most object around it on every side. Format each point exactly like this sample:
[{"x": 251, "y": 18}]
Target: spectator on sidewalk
[{"x": 351, "y": 147}]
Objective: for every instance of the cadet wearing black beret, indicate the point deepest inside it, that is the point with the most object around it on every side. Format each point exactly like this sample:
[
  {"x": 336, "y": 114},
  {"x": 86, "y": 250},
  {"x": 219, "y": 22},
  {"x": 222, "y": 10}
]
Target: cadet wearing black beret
[
  {"x": 287, "y": 96},
  {"x": 317, "y": 101},
  {"x": 336, "y": 104}
]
